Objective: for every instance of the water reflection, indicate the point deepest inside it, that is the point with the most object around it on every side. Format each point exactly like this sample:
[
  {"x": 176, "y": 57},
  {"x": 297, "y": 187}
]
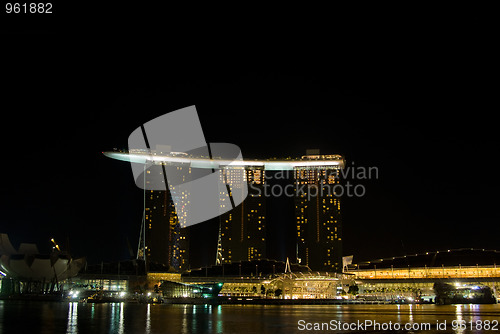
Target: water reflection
[
  {"x": 1, "y": 316},
  {"x": 184, "y": 319},
  {"x": 120, "y": 326},
  {"x": 72, "y": 326},
  {"x": 147, "y": 318},
  {"x": 411, "y": 313},
  {"x": 219, "y": 319},
  {"x": 459, "y": 322},
  {"x": 113, "y": 319}
]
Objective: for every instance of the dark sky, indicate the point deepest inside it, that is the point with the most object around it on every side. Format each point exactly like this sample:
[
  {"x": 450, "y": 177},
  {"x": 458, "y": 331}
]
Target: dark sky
[{"x": 419, "y": 107}]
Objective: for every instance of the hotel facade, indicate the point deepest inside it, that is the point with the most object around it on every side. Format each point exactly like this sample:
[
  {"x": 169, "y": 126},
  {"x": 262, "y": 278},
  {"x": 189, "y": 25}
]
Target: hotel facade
[{"x": 242, "y": 234}]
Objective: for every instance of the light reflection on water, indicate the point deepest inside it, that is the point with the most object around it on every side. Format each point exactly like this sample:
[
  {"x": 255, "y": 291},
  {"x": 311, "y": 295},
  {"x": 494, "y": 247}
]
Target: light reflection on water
[
  {"x": 460, "y": 318},
  {"x": 148, "y": 319},
  {"x": 72, "y": 318},
  {"x": 46, "y": 317}
]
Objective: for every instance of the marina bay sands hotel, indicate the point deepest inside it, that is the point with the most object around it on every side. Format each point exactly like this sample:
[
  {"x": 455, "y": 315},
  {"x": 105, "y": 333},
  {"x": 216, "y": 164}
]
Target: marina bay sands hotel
[{"x": 164, "y": 240}]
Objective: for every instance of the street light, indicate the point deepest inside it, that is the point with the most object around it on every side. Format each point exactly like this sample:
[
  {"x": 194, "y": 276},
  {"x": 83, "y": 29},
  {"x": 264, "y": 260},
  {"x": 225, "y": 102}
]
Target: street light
[{"x": 55, "y": 245}]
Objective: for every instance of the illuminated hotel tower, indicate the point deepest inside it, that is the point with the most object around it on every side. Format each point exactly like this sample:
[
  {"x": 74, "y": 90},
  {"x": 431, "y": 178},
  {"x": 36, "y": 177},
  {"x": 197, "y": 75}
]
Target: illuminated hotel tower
[
  {"x": 166, "y": 243},
  {"x": 317, "y": 209},
  {"x": 242, "y": 228},
  {"x": 242, "y": 231}
]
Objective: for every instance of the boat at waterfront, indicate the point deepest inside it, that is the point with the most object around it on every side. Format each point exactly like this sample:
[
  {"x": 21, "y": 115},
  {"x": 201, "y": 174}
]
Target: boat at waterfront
[{"x": 447, "y": 294}]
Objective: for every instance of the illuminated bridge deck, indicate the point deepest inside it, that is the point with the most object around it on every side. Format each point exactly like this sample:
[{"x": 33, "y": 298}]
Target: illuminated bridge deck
[{"x": 464, "y": 263}]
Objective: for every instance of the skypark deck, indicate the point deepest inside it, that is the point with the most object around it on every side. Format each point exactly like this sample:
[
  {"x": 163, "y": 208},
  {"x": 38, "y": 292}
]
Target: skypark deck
[{"x": 143, "y": 157}]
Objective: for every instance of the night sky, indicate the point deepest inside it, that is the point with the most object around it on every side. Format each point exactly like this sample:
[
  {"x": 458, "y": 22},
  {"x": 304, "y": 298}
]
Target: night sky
[{"x": 421, "y": 110}]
